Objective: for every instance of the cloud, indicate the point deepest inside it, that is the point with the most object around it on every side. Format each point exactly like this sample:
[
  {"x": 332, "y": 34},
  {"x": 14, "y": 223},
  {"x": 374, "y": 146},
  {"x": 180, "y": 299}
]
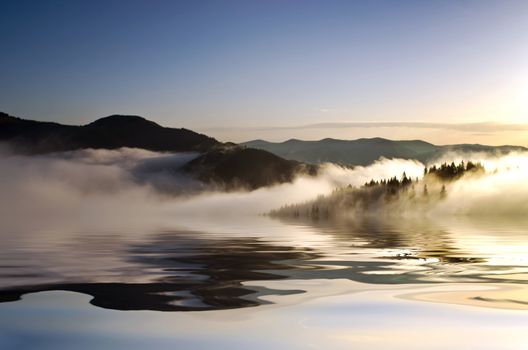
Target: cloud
[
  {"x": 483, "y": 127},
  {"x": 331, "y": 110},
  {"x": 470, "y": 127}
]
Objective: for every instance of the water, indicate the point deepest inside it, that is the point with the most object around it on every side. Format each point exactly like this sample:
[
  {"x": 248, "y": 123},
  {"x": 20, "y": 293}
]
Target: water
[{"x": 257, "y": 282}]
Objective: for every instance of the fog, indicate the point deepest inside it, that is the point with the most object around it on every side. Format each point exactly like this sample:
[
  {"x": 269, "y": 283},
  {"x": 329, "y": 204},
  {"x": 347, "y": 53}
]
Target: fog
[
  {"x": 503, "y": 190},
  {"x": 500, "y": 191},
  {"x": 131, "y": 186}
]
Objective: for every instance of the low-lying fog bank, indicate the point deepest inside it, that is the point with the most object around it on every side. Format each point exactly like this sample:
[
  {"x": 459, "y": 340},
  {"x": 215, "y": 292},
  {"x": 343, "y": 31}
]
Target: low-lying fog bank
[
  {"x": 481, "y": 185},
  {"x": 139, "y": 186}
]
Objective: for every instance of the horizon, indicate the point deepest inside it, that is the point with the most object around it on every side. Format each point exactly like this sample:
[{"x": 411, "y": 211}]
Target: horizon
[
  {"x": 214, "y": 131},
  {"x": 278, "y": 174},
  {"x": 271, "y": 69}
]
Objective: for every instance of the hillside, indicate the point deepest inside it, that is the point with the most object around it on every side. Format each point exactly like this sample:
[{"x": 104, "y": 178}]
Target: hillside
[
  {"x": 245, "y": 168},
  {"x": 35, "y": 137},
  {"x": 222, "y": 165},
  {"x": 365, "y": 151}
]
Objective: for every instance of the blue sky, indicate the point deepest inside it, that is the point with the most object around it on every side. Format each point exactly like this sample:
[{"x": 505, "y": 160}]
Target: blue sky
[{"x": 214, "y": 65}]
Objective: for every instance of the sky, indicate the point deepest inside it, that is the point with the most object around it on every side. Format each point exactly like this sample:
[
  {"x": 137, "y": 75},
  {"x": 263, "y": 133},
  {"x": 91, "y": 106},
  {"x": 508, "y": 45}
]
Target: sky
[{"x": 442, "y": 71}]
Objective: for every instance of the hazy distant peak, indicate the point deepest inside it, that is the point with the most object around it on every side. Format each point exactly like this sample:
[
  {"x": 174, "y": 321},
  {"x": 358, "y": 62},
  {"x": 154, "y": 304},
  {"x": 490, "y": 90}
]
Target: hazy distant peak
[
  {"x": 418, "y": 142},
  {"x": 375, "y": 140},
  {"x": 261, "y": 141},
  {"x": 329, "y": 139},
  {"x": 365, "y": 151}
]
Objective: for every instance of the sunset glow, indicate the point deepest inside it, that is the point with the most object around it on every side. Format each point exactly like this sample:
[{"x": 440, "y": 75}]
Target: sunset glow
[{"x": 256, "y": 175}]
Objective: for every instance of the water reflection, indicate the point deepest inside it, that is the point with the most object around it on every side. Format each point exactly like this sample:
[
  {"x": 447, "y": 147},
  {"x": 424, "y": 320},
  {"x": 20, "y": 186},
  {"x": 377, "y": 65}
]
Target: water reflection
[
  {"x": 178, "y": 270},
  {"x": 185, "y": 272}
]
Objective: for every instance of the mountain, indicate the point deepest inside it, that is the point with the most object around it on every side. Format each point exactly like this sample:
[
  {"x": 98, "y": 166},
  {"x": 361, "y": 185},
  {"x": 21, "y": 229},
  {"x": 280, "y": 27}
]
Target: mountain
[
  {"x": 35, "y": 137},
  {"x": 245, "y": 168},
  {"x": 224, "y": 165},
  {"x": 365, "y": 151}
]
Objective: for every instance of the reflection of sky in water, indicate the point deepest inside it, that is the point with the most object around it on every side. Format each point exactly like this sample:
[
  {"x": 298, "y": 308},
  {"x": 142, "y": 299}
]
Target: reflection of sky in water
[
  {"x": 338, "y": 285},
  {"x": 356, "y": 317}
]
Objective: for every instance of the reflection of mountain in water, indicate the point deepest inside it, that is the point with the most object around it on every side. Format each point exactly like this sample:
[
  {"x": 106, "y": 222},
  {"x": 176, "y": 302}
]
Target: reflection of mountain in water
[
  {"x": 193, "y": 271},
  {"x": 194, "y": 274}
]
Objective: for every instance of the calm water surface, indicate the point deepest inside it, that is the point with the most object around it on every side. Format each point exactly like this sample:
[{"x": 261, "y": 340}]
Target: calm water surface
[{"x": 257, "y": 282}]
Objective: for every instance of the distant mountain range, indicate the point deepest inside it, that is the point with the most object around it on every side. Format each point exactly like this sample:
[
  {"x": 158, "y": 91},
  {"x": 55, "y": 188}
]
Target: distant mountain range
[
  {"x": 249, "y": 165},
  {"x": 224, "y": 165},
  {"x": 365, "y": 151}
]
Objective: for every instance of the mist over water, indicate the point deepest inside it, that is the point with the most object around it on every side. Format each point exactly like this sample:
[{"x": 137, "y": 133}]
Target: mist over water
[
  {"x": 501, "y": 191},
  {"x": 109, "y": 186},
  {"x": 131, "y": 183},
  {"x": 153, "y": 229},
  {"x": 133, "y": 231}
]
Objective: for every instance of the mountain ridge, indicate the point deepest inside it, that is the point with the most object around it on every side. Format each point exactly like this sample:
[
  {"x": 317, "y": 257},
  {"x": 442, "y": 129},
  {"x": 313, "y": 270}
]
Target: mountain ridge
[
  {"x": 111, "y": 132},
  {"x": 365, "y": 151},
  {"x": 225, "y": 166}
]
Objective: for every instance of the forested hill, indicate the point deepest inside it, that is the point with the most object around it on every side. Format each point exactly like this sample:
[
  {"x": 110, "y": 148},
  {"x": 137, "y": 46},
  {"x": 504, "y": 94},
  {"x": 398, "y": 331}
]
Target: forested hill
[{"x": 387, "y": 196}]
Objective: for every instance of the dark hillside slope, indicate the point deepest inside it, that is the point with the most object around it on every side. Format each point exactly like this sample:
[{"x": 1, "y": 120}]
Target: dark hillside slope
[
  {"x": 245, "y": 168},
  {"x": 223, "y": 165},
  {"x": 34, "y": 137}
]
